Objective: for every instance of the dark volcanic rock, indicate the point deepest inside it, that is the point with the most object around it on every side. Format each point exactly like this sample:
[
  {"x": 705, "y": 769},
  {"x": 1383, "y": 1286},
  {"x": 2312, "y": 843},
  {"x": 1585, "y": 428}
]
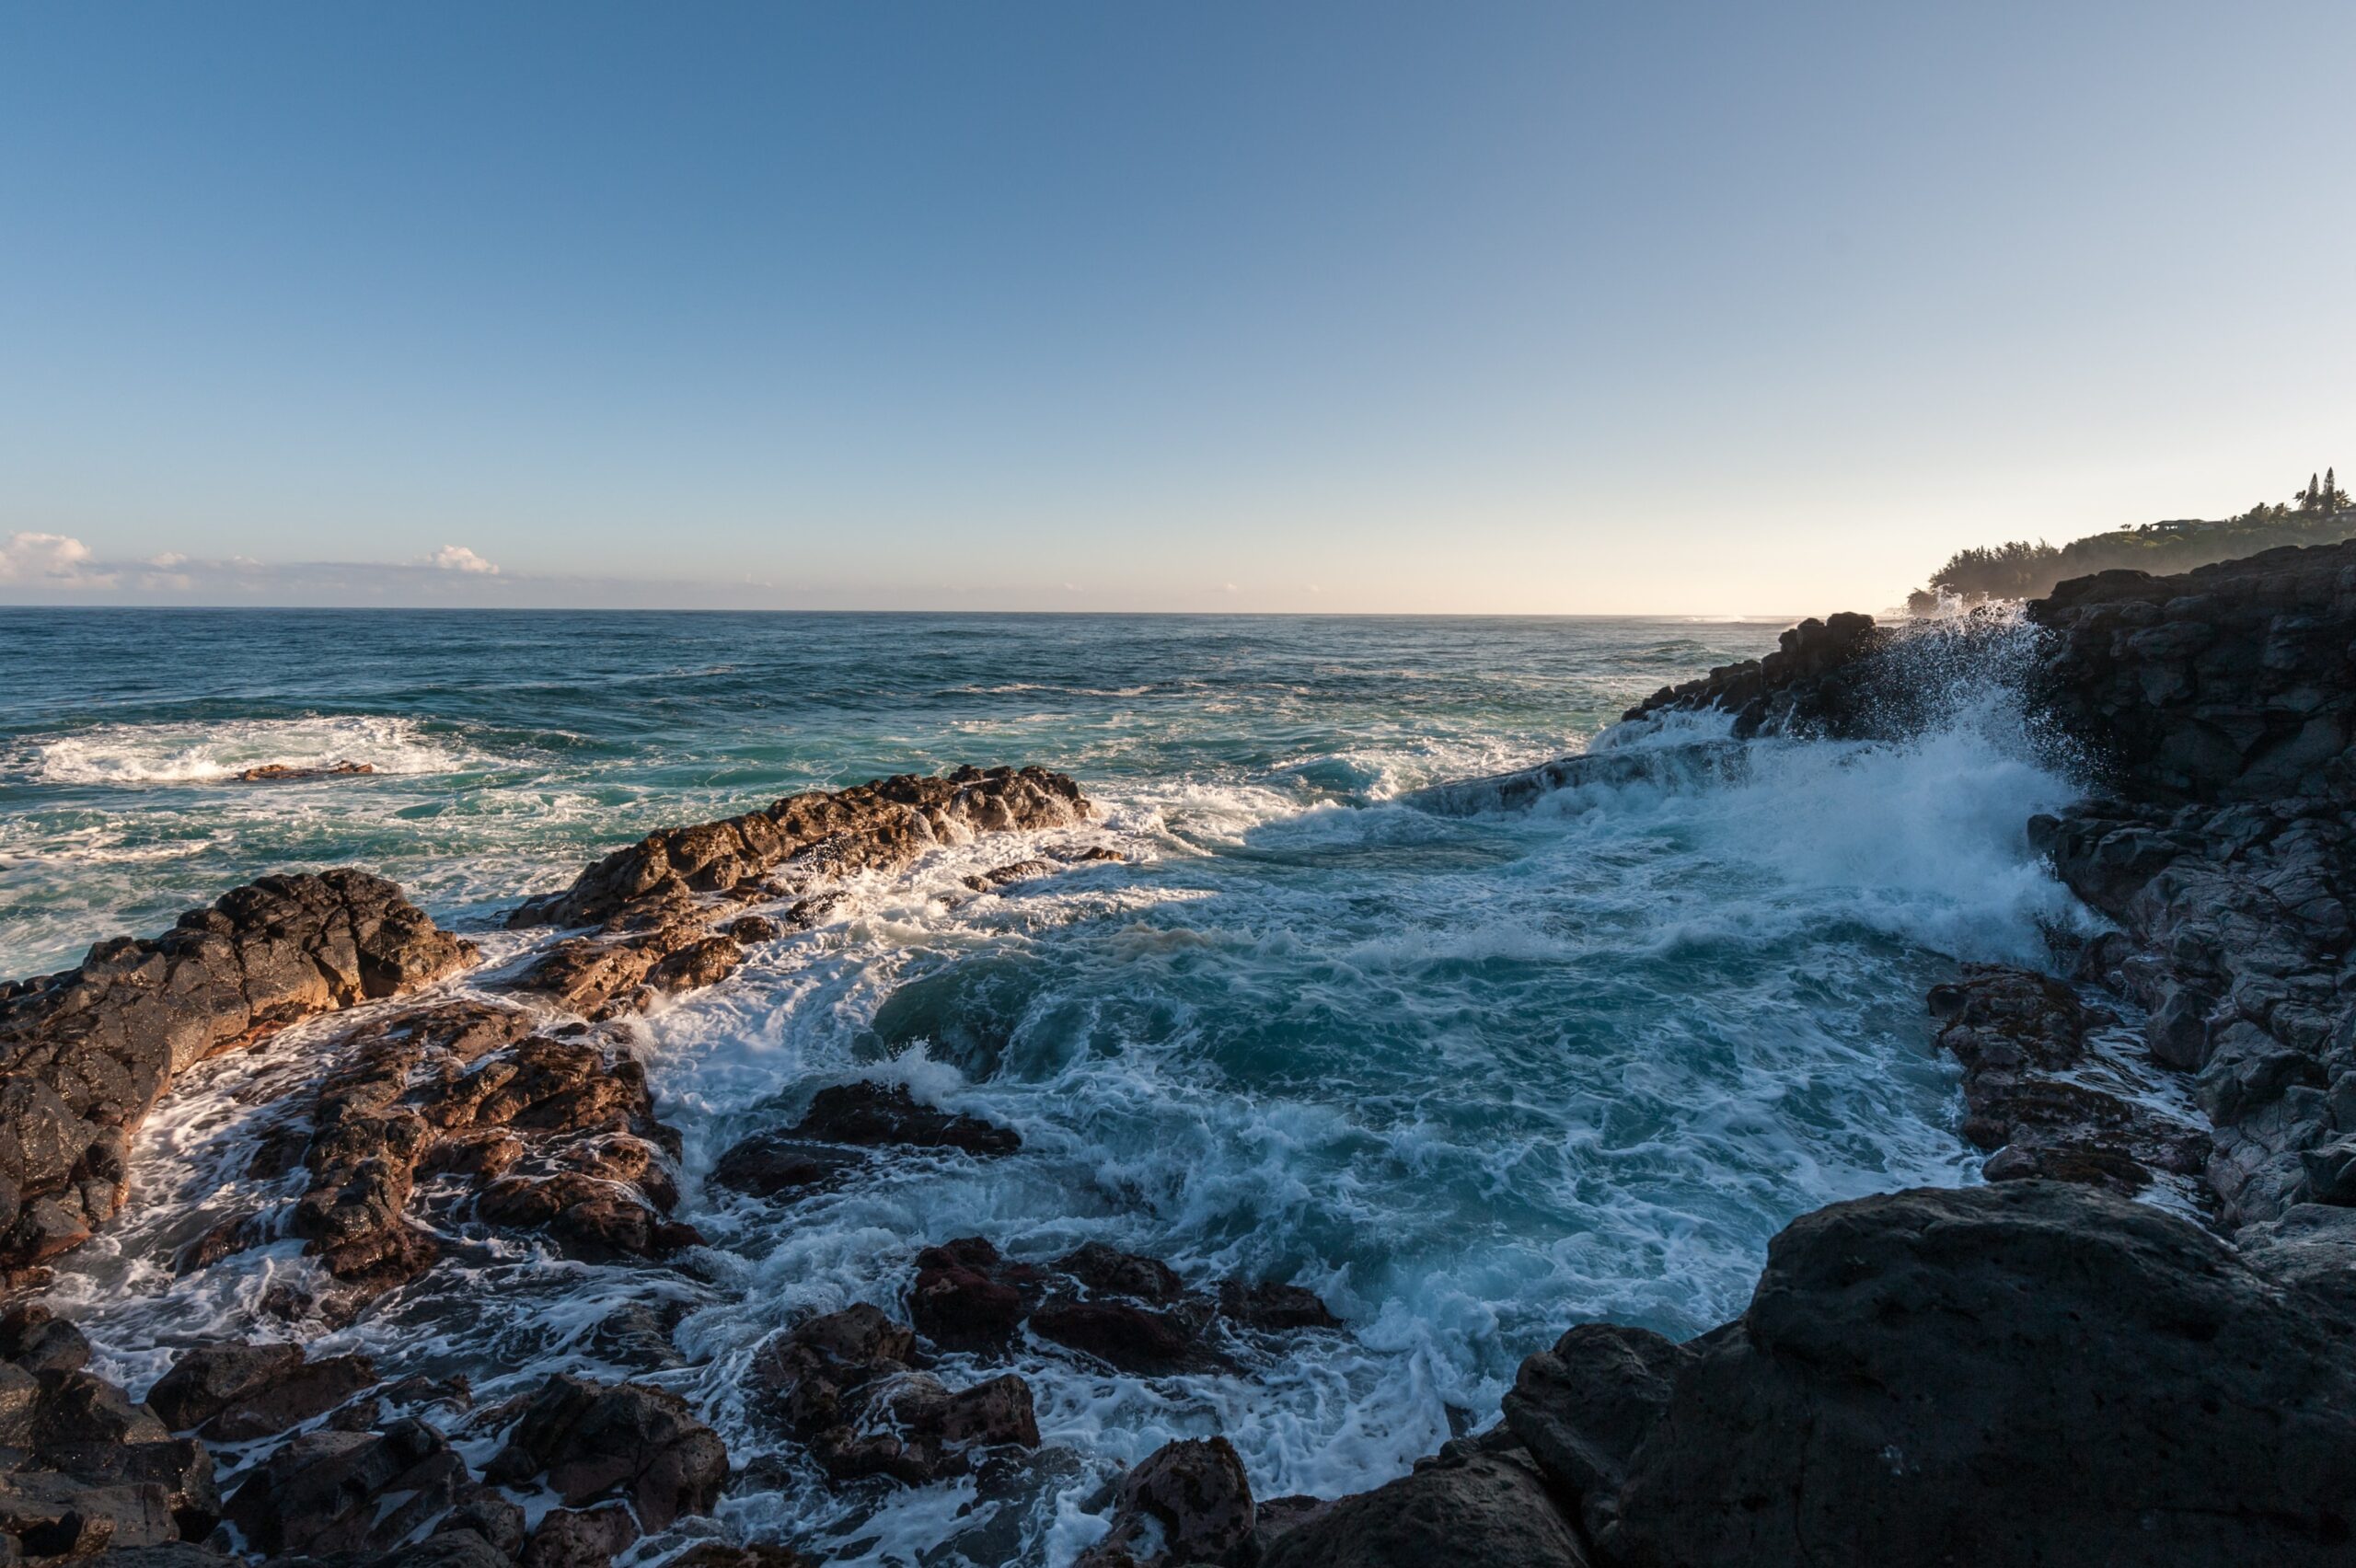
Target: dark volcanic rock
[
  {"x": 1582, "y": 1408},
  {"x": 330, "y": 1492},
  {"x": 873, "y": 1115},
  {"x": 2220, "y": 704},
  {"x": 1469, "y": 1506},
  {"x": 569, "y": 1538},
  {"x": 1187, "y": 1502},
  {"x": 1804, "y": 685},
  {"x": 2031, "y": 1372},
  {"x": 2014, "y": 1032},
  {"x": 281, "y": 773},
  {"x": 968, "y": 1296},
  {"x": 874, "y": 827},
  {"x": 771, "y": 1165},
  {"x": 57, "y": 1516},
  {"x": 845, "y": 1385},
  {"x": 1275, "y": 1307},
  {"x": 86, "y": 1055},
  {"x": 628, "y": 1441},
  {"x": 234, "y": 1393}
]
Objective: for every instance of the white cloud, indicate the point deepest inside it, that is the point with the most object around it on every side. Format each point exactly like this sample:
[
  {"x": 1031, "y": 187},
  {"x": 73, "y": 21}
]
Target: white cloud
[
  {"x": 457, "y": 557},
  {"x": 50, "y": 560}
]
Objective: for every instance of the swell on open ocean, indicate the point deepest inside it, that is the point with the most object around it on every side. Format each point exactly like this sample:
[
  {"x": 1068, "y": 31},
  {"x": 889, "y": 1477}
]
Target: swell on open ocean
[{"x": 1473, "y": 1074}]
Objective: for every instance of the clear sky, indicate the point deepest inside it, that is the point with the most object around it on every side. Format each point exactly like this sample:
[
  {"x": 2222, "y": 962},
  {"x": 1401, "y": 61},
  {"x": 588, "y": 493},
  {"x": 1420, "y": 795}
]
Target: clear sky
[{"x": 1709, "y": 308}]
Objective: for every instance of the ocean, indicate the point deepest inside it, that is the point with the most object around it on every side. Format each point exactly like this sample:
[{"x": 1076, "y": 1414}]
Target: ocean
[{"x": 1473, "y": 1074}]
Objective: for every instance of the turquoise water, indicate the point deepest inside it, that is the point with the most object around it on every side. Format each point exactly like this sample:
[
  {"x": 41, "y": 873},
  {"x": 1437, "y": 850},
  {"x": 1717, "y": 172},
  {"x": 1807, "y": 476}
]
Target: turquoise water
[{"x": 1472, "y": 1076}]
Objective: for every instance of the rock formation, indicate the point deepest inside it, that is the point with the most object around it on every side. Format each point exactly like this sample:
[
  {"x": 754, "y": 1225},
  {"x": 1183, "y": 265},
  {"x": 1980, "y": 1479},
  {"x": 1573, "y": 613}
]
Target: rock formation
[{"x": 86, "y": 1055}]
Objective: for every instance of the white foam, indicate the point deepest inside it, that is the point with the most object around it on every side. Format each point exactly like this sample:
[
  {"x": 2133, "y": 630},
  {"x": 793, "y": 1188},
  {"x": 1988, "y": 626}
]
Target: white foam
[{"x": 214, "y": 751}]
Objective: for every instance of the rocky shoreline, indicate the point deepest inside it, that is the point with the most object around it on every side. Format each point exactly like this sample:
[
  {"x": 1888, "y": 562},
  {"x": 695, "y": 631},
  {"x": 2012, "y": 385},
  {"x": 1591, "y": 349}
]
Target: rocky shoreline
[{"x": 2039, "y": 1369}]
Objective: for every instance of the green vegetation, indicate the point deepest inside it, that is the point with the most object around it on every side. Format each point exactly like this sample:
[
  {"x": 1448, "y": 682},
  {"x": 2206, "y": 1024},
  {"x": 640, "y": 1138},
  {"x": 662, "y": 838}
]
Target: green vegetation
[{"x": 2319, "y": 514}]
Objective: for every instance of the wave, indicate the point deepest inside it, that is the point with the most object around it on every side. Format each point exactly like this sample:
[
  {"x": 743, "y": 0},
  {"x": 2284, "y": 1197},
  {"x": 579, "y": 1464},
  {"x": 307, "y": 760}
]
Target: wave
[{"x": 212, "y": 751}]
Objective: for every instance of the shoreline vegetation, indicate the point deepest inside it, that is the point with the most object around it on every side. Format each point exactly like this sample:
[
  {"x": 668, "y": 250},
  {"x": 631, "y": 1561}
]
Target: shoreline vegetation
[
  {"x": 2321, "y": 514},
  {"x": 2039, "y": 1368}
]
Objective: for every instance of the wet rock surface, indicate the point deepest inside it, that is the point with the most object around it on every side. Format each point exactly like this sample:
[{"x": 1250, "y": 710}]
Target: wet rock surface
[
  {"x": 2018, "y": 1034},
  {"x": 878, "y": 827},
  {"x": 1187, "y": 1502},
  {"x": 1134, "y": 1313},
  {"x": 2220, "y": 704},
  {"x": 1808, "y": 685},
  {"x": 86, "y": 1055}
]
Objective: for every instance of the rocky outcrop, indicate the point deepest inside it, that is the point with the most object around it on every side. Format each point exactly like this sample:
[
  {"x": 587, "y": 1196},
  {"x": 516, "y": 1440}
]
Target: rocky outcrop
[
  {"x": 1473, "y": 1502},
  {"x": 822, "y": 1148},
  {"x": 846, "y": 1386},
  {"x": 878, "y": 827},
  {"x": 1131, "y": 1312},
  {"x": 85, "y": 1468},
  {"x": 1807, "y": 686},
  {"x": 587, "y": 1442},
  {"x": 2022, "y": 1039},
  {"x": 287, "y": 773},
  {"x": 2004, "y": 1374},
  {"x": 1186, "y": 1503},
  {"x": 86, "y": 1055},
  {"x": 2220, "y": 706}
]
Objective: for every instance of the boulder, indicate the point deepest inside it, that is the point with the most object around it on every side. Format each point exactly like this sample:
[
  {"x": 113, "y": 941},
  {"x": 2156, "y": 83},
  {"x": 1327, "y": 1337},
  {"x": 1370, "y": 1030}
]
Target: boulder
[
  {"x": 335, "y": 1491},
  {"x": 878, "y": 827},
  {"x": 569, "y": 1538},
  {"x": 629, "y": 1441},
  {"x": 60, "y": 1516},
  {"x": 1188, "y": 1502},
  {"x": 875, "y": 1115},
  {"x": 1470, "y": 1507},
  {"x": 2005, "y": 1373},
  {"x": 1582, "y": 1408},
  {"x": 86, "y": 1055},
  {"x": 233, "y": 1393}
]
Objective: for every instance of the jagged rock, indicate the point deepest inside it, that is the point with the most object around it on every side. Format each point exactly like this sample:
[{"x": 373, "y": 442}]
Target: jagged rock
[
  {"x": 771, "y": 1165},
  {"x": 1475, "y": 1506},
  {"x": 1582, "y": 1408},
  {"x": 1805, "y": 685},
  {"x": 569, "y": 1538},
  {"x": 489, "y": 1518},
  {"x": 181, "y": 1468},
  {"x": 2312, "y": 1246},
  {"x": 629, "y": 1441},
  {"x": 86, "y": 1055},
  {"x": 58, "y": 1516},
  {"x": 1132, "y": 1311},
  {"x": 1918, "y": 1374},
  {"x": 77, "y": 1408},
  {"x": 874, "y": 827},
  {"x": 39, "y": 1340},
  {"x": 1187, "y": 1502},
  {"x": 233, "y": 1393},
  {"x": 713, "y": 1554},
  {"x": 871, "y": 1116},
  {"x": 2014, "y": 1032},
  {"x": 331, "y": 1492},
  {"x": 968, "y": 1296},
  {"x": 1274, "y": 1308}
]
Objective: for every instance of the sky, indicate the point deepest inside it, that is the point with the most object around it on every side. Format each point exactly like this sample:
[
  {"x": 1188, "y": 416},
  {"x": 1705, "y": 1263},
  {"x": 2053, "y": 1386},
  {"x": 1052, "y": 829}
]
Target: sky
[{"x": 1452, "y": 307}]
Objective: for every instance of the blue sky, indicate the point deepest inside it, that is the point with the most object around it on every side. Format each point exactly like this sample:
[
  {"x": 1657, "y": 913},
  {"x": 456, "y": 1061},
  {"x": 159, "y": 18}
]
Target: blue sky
[{"x": 1448, "y": 307}]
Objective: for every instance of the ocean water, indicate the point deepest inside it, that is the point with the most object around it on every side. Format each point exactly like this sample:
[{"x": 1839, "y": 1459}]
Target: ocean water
[{"x": 1474, "y": 1074}]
